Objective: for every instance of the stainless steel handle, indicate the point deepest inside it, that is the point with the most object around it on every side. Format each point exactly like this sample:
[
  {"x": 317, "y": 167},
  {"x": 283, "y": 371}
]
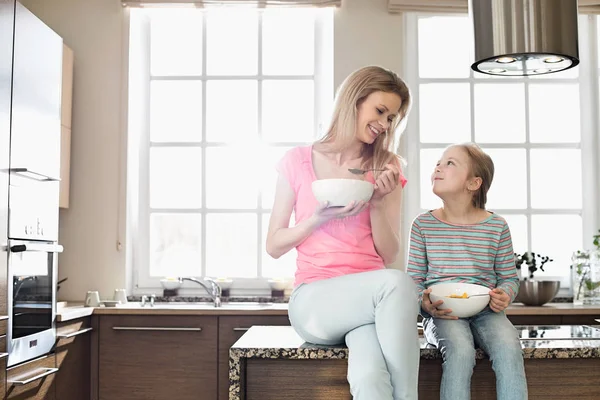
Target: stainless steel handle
[
  {"x": 48, "y": 248},
  {"x": 3, "y": 355},
  {"x": 154, "y": 328},
  {"x": 240, "y": 329},
  {"x": 76, "y": 333},
  {"x": 3, "y": 317},
  {"x": 27, "y": 173},
  {"x": 47, "y": 371}
]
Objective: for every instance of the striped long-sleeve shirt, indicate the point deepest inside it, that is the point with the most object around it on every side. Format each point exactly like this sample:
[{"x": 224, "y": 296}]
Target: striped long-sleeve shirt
[{"x": 481, "y": 253}]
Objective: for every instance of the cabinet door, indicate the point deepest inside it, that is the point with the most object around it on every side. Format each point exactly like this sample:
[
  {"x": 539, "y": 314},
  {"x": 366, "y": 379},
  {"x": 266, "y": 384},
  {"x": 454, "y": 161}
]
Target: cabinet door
[
  {"x": 73, "y": 359},
  {"x": 34, "y": 380},
  {"x": 158, "y": 357},
  {"x": 231, "y": 328}
]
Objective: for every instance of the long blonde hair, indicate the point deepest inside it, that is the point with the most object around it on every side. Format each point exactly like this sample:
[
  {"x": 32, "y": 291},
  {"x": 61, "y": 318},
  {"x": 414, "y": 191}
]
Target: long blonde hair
[
  {"x": 353, "y": 91},
  {"x": 481, "y": 166}
]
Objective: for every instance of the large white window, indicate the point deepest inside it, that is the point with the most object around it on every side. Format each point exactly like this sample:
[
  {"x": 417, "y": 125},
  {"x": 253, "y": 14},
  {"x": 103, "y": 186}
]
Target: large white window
[
  {"x": 541, "y": 133},
  {"x": 216, "y": 98}
]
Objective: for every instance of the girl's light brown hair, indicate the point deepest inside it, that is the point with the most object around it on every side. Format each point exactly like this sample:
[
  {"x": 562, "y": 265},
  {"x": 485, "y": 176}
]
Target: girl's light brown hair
[
  {"x": 481, "y": 166},
  {"x": 353, "y": 91}
]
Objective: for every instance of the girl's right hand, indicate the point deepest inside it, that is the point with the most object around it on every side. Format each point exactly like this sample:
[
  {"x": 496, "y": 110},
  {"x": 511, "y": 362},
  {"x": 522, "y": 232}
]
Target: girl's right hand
[
  {"x": 323, "y": 213},
  {"x": 432, "y": 308}
]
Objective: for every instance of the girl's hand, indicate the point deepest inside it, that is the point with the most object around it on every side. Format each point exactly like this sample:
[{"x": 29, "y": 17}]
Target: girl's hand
[
  {"x": 432, "y": 308},
  {"x": 386, "y": 182},
  {"x": 324, "y": 213},
  {"x": 499, "y": 300}
]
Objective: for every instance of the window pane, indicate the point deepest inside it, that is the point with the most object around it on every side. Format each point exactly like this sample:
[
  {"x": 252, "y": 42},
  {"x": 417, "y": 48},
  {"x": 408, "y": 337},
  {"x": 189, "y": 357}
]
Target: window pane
[
  {"x": 176, "y": 42},
  {"x": 269, "y": 159},
  {"x": 500, "y": 113},
  {"x": 444, "y": 113},
  {"x": 556, "y": 178},
  {"x": 429, "y": 159},
  {"x": 288, "y": 42},
  {"x": 288, "y": 111},
  {"x": 445, "y": 47},
  {"x": 231, "y": 178},
  {"x": 175, "y": 177},
  {"x": 231, "y": 245},
  {"x": 232, "y": 42},
  {"x": 554, "y": 113},
  {"x": 518, "y": 231},
  {"x": 232, "y": 111},
  {"x": 175, "y": 245},
  {"x": 175, "y": 111},
  {"x": 509, "y": 187},
  {"x": 284, "y": 266},
  {"x": 556, "y": 236}
]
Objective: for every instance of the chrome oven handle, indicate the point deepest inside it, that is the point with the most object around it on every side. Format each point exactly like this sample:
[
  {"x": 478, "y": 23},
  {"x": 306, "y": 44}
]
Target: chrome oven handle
[
  {"x": 154, "y": 328},
  {"x": 48, "y": 248},
  {"x": 47, "y": 371},
  {"x": 73, "y": 334}
]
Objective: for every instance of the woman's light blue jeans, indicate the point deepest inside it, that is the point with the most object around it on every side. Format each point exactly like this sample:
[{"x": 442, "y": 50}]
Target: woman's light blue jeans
[
  {"x": 375, "y": 313},
  {"x": 456, "y": 340}
]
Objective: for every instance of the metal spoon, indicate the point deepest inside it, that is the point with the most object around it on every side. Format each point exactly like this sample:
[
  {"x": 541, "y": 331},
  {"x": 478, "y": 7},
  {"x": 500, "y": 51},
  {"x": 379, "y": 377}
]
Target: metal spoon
[{"x": 357, "y": 171}]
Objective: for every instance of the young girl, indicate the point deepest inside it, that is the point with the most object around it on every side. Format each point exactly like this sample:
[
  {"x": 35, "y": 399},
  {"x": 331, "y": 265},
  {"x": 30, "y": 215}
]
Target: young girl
[
  {"x": 343, "y": 292},
  {"x": 462, "y": 242}
]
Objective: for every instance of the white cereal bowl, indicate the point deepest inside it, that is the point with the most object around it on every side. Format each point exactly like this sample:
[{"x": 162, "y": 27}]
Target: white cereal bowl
[
  {"x": 278, "y": 284},
  {"x": 224, "y": 283},
  {"x": 462, "y": 308},
  {"x": 341, "y": 192}
]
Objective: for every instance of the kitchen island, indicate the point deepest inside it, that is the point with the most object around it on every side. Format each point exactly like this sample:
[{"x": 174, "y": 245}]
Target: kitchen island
[{"x": 268, "y": 362}]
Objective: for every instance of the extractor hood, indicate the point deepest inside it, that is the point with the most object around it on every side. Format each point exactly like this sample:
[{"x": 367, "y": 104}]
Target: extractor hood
[{"x": 524, "y": 37}]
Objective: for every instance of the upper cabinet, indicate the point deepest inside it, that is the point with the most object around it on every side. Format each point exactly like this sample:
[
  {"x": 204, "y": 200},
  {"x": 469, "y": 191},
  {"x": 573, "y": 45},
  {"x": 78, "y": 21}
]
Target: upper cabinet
[{"x": 65, "y": 122}]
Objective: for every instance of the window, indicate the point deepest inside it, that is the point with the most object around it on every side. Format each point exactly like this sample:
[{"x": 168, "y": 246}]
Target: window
[
  {"x": 538, "y": 130},
  {"x": 215, "y": 99}
]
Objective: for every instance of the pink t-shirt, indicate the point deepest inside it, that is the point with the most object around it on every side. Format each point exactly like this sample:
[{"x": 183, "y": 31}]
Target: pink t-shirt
[{"x": 339, "y": 246}]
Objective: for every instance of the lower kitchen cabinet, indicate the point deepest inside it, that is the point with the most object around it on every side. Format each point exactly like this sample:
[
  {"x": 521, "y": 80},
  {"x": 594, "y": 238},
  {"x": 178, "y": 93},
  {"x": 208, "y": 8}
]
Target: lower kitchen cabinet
[
  {"x": 157, "y": 357},
  {"x": 33, "y": 380},
  {"x": 231, "y": 328},
  {"x": 73, "y": 359}
]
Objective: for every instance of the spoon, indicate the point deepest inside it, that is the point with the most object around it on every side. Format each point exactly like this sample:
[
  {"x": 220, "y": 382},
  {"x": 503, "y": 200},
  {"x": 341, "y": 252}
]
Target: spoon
[{"x": 357, "y": 171}]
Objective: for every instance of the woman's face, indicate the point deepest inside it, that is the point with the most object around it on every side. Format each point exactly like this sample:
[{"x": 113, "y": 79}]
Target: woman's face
[{"x": 375, "y": 115}]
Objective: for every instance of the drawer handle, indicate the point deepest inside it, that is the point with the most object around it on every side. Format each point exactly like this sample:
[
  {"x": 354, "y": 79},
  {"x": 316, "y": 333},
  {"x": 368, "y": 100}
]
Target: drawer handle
[
  {"x": 73, "y": 334},
  {"x": 47, "y": 371},
  {"x": 240, "y": 329},
  {"x": 154, "y": 328},
  {"x": 3, "y": 355},
  {"x": 3, "y": 317}
]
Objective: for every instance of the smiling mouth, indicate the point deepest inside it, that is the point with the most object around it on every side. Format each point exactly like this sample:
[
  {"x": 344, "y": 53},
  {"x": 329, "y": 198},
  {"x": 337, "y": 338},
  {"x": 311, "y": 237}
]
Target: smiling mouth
[{"x": 373, "y": 131}]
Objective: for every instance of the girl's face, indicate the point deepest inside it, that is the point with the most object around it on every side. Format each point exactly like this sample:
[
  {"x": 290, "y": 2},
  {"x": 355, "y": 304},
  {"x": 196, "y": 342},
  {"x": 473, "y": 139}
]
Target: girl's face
[
  {"x": 375, "y": 115},
  {"x": 452, "y": 174}
]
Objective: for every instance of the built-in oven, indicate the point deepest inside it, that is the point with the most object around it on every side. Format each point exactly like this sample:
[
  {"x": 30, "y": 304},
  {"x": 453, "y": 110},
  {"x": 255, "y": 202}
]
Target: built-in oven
[{"x": 32, "y": 305}]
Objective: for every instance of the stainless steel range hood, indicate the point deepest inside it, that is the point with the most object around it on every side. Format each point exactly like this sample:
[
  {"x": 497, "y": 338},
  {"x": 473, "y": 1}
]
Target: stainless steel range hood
[{"x": 524, "y": 37}]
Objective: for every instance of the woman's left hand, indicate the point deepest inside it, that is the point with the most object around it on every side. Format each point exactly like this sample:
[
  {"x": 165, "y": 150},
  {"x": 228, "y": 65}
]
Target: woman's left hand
[
  {"x": 386, "y": 182},
  {"x": 499, "y": 300}
]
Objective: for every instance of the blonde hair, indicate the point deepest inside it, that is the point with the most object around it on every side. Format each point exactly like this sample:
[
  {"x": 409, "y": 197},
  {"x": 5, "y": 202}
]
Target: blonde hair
[
  {"x": 353, "y": 91},
  {"x": 481, "y": 166}
]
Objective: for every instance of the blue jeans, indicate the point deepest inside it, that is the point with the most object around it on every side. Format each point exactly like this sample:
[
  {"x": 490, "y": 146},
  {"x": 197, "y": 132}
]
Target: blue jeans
[
  {"x": 456, "y": 340},
  {"x": 375, "y": 313}
]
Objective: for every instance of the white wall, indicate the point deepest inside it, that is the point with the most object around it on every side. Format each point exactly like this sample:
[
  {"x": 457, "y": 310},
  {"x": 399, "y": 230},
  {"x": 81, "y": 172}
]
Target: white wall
[{"x": 364, "y": 34}]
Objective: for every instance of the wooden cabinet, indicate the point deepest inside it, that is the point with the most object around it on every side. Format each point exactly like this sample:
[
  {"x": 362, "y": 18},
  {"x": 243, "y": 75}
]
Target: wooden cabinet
[
  {"x": 157, "y": 357},
  {"x": 33, "y": 380},
  {"x": 65, "y": 129},
  {"x": 231, "y": 328},
  {"x": 73, "y": 359}
]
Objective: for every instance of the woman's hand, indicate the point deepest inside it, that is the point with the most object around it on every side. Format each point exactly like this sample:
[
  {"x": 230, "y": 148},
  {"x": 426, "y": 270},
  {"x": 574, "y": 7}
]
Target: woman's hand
[
  {"x": 386, "y": 182},
  {"x": 499, "y": 300},
  {"x": 324, "y": 213},
  {"x": 432, "y": 308}
]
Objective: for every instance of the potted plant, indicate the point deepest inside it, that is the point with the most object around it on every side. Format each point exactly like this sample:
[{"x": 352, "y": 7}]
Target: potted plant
[
  {"x": 534, "y": 292},
  {"x": 585, "y": 274}
]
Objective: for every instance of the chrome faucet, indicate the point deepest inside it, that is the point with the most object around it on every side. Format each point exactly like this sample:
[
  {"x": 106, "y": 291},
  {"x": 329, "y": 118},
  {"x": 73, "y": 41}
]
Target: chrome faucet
[{"x": 214, "y": 291}]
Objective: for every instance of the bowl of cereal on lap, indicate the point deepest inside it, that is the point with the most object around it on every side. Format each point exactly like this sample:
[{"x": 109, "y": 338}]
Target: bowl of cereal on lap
[
  {"x": 341, "y": 192},
  {"x": 464, "y": 299}
]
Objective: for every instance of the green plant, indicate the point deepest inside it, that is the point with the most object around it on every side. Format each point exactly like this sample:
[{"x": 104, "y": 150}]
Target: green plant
[
  {"x": 531, "y": 259},
  {"x": 584, "y": 273}
]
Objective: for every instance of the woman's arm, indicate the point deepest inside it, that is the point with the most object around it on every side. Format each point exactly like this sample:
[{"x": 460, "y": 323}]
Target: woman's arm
[{"x": 385, "y": 224}]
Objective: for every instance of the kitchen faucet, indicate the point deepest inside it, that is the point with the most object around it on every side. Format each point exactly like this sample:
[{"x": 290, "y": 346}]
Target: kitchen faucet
[{"x": 214, "y": 291}]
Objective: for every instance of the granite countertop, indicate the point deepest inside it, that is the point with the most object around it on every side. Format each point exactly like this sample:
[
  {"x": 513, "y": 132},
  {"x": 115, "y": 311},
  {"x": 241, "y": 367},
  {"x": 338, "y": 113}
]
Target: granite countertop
[
  {"x": 265, "y": 306},
  {"x": 282, "y": 342}
]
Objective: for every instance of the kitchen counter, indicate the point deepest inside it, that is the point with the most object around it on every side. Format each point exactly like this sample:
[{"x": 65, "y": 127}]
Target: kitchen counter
[
  {"x": 282, "y": 343},
  {"x": 77, "y": 310}
]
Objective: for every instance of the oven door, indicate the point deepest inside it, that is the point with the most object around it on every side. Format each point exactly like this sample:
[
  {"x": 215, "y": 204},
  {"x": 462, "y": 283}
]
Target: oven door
[{"x": 31, "y": 299}]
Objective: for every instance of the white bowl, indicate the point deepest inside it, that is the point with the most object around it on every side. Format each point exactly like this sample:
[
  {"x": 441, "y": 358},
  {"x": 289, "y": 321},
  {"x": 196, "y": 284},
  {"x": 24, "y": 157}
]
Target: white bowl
[
  {"x": 462, "y": 308},
  {"x": 224, "y": 283},
  {"x": 170, "y": 284},
  {"x": 278, "y": 284},
  {"x": 341, "y": 192}
]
